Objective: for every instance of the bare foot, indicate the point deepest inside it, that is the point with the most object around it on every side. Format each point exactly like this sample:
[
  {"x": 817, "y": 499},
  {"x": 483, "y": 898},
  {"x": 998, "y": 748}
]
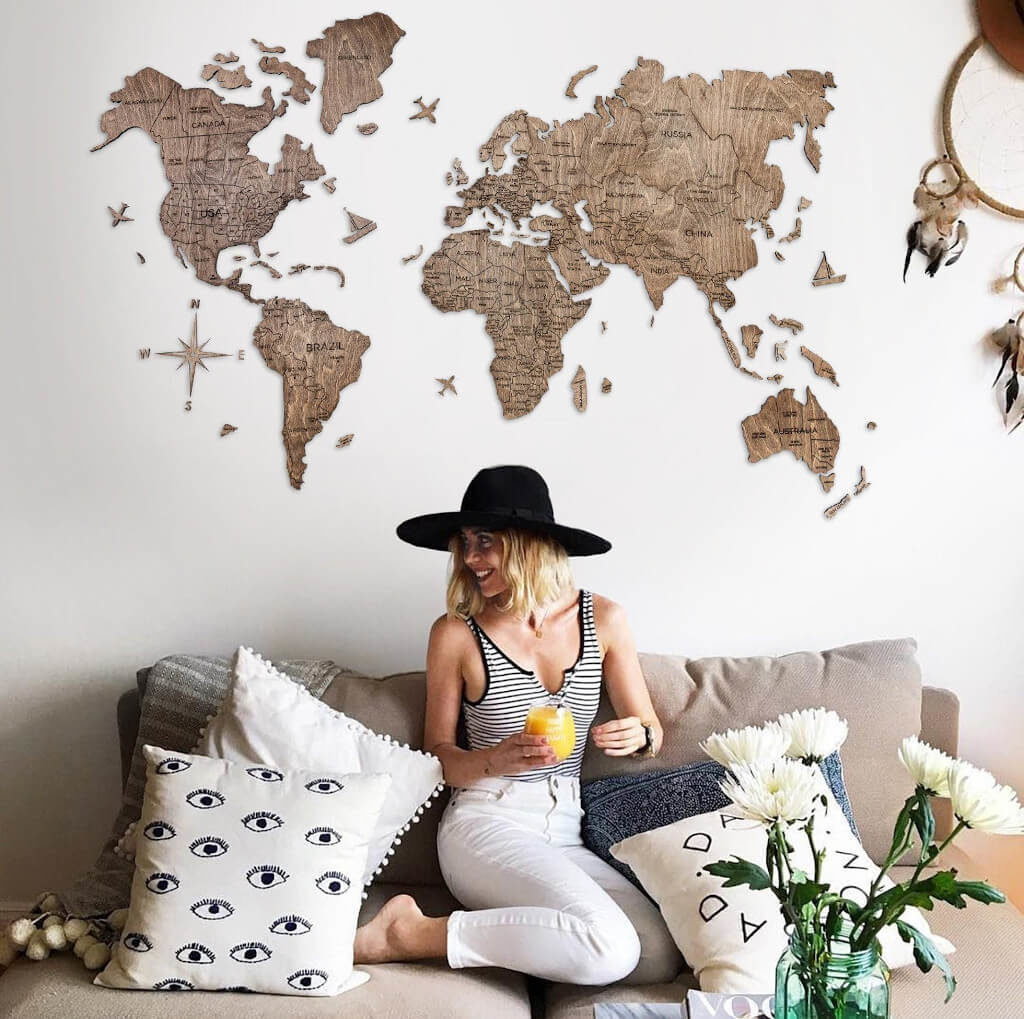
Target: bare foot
[{"x": 401, "y": 931}]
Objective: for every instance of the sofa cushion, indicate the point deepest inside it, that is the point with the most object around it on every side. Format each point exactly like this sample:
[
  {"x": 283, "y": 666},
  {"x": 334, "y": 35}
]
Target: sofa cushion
[{"x": 875, "y": 685}]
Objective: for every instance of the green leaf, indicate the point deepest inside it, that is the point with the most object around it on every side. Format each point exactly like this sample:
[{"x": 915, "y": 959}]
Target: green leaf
[
  {"x": 927, "y": 955},
  {"x": 807, "y": 892},
  {"x": 798, "y": 877},
  {"x": 980, "y": 891},
  {"x": 923, "y": 818},
  {"x": 740, "y": 872}
]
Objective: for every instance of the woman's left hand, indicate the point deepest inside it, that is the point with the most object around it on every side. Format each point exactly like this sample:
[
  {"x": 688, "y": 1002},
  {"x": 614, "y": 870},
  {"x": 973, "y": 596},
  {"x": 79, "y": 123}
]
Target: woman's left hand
[{"x": 620, "y": 736}]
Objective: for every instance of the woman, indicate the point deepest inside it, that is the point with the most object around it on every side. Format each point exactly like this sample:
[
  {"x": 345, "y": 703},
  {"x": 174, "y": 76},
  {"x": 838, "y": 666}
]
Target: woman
[{"x": 509, "y": 842}]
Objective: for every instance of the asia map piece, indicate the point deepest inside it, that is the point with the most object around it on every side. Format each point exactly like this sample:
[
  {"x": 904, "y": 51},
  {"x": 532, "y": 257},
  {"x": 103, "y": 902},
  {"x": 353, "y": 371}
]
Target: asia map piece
[{"x": 667, "y": 177}]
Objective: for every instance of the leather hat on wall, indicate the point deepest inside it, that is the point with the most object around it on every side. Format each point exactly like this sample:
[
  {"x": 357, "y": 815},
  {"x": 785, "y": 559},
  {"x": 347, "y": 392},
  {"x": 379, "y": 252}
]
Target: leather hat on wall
[{"x": 1002, "y": 23}]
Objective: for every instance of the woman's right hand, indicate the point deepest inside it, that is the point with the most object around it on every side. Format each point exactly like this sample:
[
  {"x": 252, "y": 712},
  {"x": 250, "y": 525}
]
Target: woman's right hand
[{"x": 521, "y": 752}]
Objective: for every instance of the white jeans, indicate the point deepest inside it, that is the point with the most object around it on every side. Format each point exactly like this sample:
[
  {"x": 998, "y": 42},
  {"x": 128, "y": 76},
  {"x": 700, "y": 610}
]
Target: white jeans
[{"x": 540, "y": 902}]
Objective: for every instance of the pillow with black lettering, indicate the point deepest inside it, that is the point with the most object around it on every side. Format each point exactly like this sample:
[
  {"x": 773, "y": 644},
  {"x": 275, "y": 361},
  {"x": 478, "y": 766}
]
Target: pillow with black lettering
[{"x": 247, "y": 877}]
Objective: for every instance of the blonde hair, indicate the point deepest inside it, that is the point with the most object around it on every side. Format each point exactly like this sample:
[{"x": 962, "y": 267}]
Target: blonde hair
[{"x": 535, "y": 566}]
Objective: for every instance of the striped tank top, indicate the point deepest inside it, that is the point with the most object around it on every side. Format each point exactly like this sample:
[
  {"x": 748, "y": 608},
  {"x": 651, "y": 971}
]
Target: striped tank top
[{"x": 510, "y": 691}]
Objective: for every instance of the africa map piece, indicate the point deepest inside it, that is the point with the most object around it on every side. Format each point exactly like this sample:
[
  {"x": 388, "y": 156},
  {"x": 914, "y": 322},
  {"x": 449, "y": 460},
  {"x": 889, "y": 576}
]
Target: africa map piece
[
  {"x": 832, "y": 510},
  {"x": 355, "y": 52},
  {"x": 802, "y": 428},
  {"x": 227, "y": 77},
  {"x": 266, "y": 49},
  {"x": 301, "y": 87},
  {"x": 821, "y": 367},
  {"x": 570, "y": 89},
  {"x": 425, "y": 112},
  {"x": 316, "y": 360},
  {"x": 791, "y": 324},
  {"x": 579, "y": 389},
  {"x": 751, "y": 337},
  {"x": 220, "y": 194},
  {"x": 366, "y": 129},
  {"x": 527, "y": 310},
  {"x": 674, "y": 175},
  {"x": 230, "y": 57},
  {"x": 827, "y": 481}
]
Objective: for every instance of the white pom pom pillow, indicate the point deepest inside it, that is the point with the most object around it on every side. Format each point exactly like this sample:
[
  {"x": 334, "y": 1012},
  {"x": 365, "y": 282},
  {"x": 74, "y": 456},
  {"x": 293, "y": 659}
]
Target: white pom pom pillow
[
  {"x": 266, "y": 718},
  {"x": 246, "y": 878}
]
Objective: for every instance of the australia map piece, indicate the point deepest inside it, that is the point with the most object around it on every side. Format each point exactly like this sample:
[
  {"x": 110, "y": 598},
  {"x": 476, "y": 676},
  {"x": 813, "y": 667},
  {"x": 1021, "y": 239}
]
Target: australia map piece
[
  {"x": 783, "y": 423},
  {"x": 674, "y": 172},
  {"x": 118, "y": 215},
  {"x": 426, "y": 112},
  {"x": 570, "y": 89},
  {"x": 220, "y": 193},
  {"x": 355, "y": 53},
  {"x": 316, "y": 360},
  {"x": 579, "y": 389},
  {"x": 301, "y": 87},
  {"x": 360, "y": 226},
  {"x": 751, "y": 337},
  {"x": 230, "y": 57},
  {"x": 821, "y": 367},
  {"x": 527, "y": 310},
  {"x": 786, "y": 323},
  {"x": 366, "y": 129},
  {"x": 263, "y": 48},
  {"x": 832, "y": 510},
  {"x": 227, "y": 77}
]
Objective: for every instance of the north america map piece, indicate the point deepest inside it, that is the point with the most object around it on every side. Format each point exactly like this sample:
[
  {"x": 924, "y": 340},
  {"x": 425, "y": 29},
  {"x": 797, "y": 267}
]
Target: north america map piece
[
  {"x": 803, "y": 428},
  {"x": 301, "y": 87},
  {"x": 355, "y": 52},
  {"x": 527, "y": 310},
  {"x": 220, "y": 193},
  {"x": 316, "y": 360},
  {"x": 229, "y": 78}
]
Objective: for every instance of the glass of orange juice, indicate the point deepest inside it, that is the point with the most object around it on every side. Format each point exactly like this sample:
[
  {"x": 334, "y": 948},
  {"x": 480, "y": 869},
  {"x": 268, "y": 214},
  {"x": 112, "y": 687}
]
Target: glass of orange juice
[{"x": 551, "y": 718}]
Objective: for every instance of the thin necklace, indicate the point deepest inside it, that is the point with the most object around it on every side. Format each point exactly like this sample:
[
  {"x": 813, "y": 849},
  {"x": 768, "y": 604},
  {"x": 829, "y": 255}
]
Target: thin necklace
[{"x": 538, "y": 630}]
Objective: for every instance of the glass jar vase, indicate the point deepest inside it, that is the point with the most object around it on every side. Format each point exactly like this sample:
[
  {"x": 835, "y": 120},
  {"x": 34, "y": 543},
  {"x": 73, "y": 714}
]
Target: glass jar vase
[{"x": 842, "y": 984}]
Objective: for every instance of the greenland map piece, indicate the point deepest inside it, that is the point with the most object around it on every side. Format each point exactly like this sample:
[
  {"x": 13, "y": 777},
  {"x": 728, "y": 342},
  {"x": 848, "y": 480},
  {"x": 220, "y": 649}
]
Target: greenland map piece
[
  {"x": 355, "y": 52},
  {"x": 221, "y": 194},
  {"x": 227, "y": 77},
  {"x": 783, "y": 423},
  {"x": 751, "y": 337},
  {"x": 674, "y": 174},
  {"x": 821, "y": 367},
  {"x": 316, "y": 360},
  {"x": 527, "y": 310},
  {"x": 570, "y": 89},
  {"x": 579, "y": 389},
  {"x": 301, "y": 87}
]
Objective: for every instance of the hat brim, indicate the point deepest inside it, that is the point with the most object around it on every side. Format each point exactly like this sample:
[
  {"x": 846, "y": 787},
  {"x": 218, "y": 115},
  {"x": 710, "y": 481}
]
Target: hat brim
[
  {"x": 434, "y": 531},
  {"x": 1002, "y": 27}
]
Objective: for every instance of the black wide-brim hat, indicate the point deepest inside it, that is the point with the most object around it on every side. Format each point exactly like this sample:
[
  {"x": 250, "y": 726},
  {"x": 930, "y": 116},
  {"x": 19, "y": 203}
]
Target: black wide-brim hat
[{"x": 500, "y": 497}]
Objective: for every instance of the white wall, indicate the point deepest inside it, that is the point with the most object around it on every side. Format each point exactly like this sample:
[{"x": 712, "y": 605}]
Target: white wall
[{"x": 131, "y": 530}]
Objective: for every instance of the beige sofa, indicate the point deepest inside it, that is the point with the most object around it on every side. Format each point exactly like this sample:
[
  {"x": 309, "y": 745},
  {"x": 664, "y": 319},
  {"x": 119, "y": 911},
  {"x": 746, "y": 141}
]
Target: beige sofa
[{"x": 875, "y": 685}]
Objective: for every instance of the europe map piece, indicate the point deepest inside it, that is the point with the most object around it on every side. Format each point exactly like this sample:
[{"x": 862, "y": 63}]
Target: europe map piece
[
  {"x": 355, "y": 52},
  {"x": 674, "y": 176},
  {"x": 527, "y": 310},
  {"x": 220, "y": 194},
  {"x": 802, "y": 428},
  {"x": 316, "y": 360}
]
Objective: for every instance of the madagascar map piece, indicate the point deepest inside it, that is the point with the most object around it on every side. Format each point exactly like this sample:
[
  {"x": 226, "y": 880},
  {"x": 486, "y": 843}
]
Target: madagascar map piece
[
  {"x": 527, "y": 310},
  {"x": 803, "y": 428},
  {"x": 220, "y": 193},
  {"x": 821, "y": 367},
  {"x": 579, "y": 389},
  {"x": 751, "y": 337},
  {"x": 227, "y": 77},
  {"x": 301, "y": 87},
  {"x": 570, "y": 89},
  {"x": 316, "y": 360},
  {"x": 355, "y": 52}
]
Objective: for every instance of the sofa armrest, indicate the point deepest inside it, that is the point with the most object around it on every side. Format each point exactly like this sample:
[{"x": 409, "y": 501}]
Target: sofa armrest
[
  {"x": 940, "y": 726},
  {"x": 128, "y": 706}
]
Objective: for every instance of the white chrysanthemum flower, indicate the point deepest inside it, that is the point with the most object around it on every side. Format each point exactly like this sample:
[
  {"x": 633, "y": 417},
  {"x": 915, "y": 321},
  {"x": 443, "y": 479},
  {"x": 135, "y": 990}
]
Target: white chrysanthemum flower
[
  {"x": 814, "y": 733},
  {"x": 755, "y": 744},
  {"x": 981, "y": 802},
  {"x": 783, "y": 790},
  {"x": 928, "y": 767}
]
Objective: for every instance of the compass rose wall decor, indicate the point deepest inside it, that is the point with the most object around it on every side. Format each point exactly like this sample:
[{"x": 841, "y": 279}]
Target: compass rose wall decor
[{"x": 193, "y": 353}]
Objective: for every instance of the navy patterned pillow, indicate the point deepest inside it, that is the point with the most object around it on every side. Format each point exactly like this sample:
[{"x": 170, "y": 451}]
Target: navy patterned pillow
[{"x": 616, "y": 808}]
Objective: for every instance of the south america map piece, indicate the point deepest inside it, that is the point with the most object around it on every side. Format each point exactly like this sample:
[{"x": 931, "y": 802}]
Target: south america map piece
[
  {"x": 827, "y": 481},
  {"x": 821, "y": 367},
  {"x": 263, "y": 48},
  {"x": 231, "y": 57},
  {"x": 330, "y": 184},
  {"x": 804, "y": 203},
  {"x": 367, "y": 129},
  {"x": 425, "y": 111},
  {"x": 832, "y": 510},
  {"x": 798, "y": 227},
  {"x": 447, "y": 386},
  {"x": 863, "y": 483},
  {"x": 527, "y": 309},
  {"x": 606, "y": 385},
  {"x": 360, "y": 227},
  {"x": 227, "y": 429},
  {"x": 345, "y": 440},
  {"x": 783, "y": 423},
  {"x": 227, "y": 77},
  {"x": 824, "y": 275},
  {"x": 792, "y": 324},
  {"x": 579, "y": 389},
  {"x": 570, "y": 89},
  {"x": 355, "y": 53},
  {"x": 751, "y": 337},
  {"x": 301, "y": 88},
  {"x": 412, "y": 258},
  {"x": 220, "y": 193},
  {"x": 316, "y": 360},
  {"x": 118, "y": 215},
  {"x": 192, "y": 354}
]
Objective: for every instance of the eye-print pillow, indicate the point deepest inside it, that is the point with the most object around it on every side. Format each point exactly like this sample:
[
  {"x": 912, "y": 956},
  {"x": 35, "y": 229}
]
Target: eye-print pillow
[
  {"x": 267, "y": 718},
  {"x": 246, "y": 877}
]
